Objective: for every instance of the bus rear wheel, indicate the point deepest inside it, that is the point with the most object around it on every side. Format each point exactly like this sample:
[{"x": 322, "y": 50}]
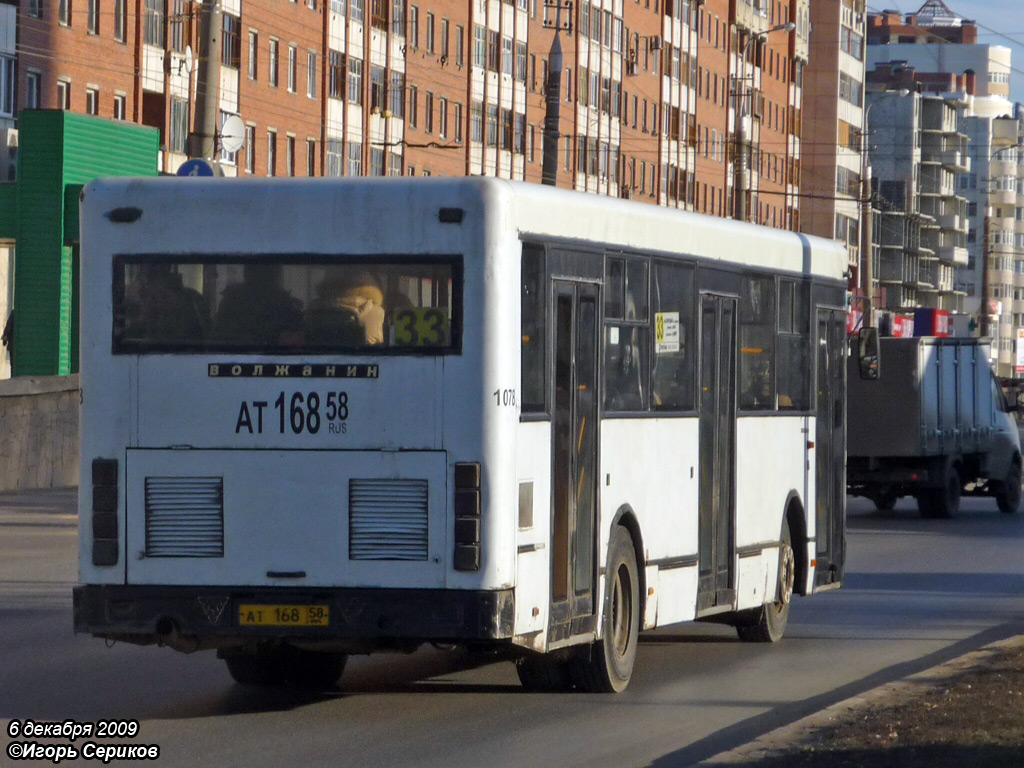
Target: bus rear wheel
[
  {"x": 767, "y": 624},
  {"x": 285, "y": 665},
  {"x": 607, "y": 665},
  {"x": 543, "y": 674}
]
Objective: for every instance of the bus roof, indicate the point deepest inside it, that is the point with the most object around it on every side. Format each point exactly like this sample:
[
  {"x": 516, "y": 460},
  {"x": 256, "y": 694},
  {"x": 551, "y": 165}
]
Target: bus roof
[{"x": 534, "y": 211}]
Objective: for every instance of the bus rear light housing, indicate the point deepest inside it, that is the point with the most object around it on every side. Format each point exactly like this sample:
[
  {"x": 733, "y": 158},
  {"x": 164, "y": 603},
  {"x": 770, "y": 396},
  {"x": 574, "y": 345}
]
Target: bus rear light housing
[
  {"x": 467, "y": 517},
  {"x": 105, "y": 549}
]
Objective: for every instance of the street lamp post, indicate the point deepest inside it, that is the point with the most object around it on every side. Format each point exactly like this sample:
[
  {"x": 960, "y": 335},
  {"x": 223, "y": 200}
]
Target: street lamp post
[
  {"x": 740, "y": 161},
  {"x": 866, "y": 265}
]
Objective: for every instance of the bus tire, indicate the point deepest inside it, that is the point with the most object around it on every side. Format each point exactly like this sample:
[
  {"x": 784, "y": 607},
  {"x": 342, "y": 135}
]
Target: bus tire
[
  {"x": 1008, "y": 491},
  {"x": 767, "y": 624},
  {"x": 543, "y": 674},
  {"x": 885, "y": 500},
  {"x": 283, "y": 666},
  {"x": 607, "y": 665}
]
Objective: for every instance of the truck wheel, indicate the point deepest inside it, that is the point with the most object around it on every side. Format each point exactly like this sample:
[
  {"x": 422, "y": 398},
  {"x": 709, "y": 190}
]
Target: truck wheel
[
  {"x": 1008, "y": 491},
  {"x": 609, "y": 664},
  {"x": 767, "y": 624},
  {"x": 944, "y": 501},
  {"x": 886, "y": 500}
]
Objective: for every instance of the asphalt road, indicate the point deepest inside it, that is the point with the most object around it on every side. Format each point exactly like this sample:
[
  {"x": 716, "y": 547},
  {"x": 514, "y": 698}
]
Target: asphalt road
[{"x": 917, "y": 592}]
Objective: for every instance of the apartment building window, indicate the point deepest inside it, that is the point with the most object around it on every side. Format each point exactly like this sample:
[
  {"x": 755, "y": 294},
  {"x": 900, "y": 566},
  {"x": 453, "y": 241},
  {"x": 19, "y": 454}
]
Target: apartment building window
[
  {"x": 521, "y": 62},
  {"x": 179, "y": 125},
  {"x": 335, "y": 75},
  {"x": 506, "y": 55},
  {"x": 355, "y": 80},
  {"x": 250, "y": 149},
  {"x": 271, "y": 152},
  {"x": 394, "y": 164},
  {"x": 92, "y": 101},
  {"x": 63, "y": 94},
  {"x": 334, "y": 157},
  {"x": 33, "y": 82},
  {"x": 377, "y": 101},
  {"x": 355, "y": 11},
  {"x": 379, "y": 14},
  {"x": 35, "y": 9},
  {"x": 310, "y": 157},
  {"x": 396, "y": 94},
  {"x": 289, "y": 156},
  {"x": 414, "y": 26},
  {"x": 376, "y": 161},
  {"x": 442, "y": 118},
  {"x": 413, "y": 105},
  {"x": 311, "y": 74},
  {"x": 493, "y": 51},
  {"x": 119, "y": 20},
  {"x": 231, "y": 41},
  {"x": 531, "y": 139},
  {"x": 492, "y": 125},
  {"x": 476, "y": 122},
  {"x": 398, "y": 17},
  {"x": 93, "y": 17},
  {"x": 293, "y": 54},
  {"x": 457, "y": 119},
  {"x": 254, "y": 46},
  {"x": 7, "y": 85},
  {"x": 355, "y": 159},
  {"x": 479, "y": 46},
  {"x": 460, "y": 34},
  {"x": 445, "y": 40},
  {"x": 228, "y": 158},
  {"x": 428, "y": 112},
  {"x": 272, "y": 64},
  {"x": 430, "y": 32},
  {"x": 176, "y": 25},
  {"x": 154, "y": 31},
  {"x": 64, "y": 12},
  {"x": 119, "y": 106}
]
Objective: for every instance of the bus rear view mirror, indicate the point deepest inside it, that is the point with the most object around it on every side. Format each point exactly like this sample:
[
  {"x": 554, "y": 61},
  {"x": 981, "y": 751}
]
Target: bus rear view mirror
[{"x": 868, "y": 353}]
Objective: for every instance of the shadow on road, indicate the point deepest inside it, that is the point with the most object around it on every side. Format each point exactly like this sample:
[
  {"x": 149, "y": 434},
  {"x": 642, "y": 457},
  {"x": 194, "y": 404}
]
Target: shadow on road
[{"x": 932, "y": 756}]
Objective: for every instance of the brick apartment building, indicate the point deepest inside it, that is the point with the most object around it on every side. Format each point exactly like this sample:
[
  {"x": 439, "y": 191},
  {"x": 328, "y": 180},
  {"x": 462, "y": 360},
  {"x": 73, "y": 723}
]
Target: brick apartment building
[{"x": 647, "y": 91}]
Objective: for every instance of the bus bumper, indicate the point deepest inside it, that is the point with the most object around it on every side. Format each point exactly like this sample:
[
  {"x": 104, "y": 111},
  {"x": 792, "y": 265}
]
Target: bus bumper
[{"x": 146, "y": 614}]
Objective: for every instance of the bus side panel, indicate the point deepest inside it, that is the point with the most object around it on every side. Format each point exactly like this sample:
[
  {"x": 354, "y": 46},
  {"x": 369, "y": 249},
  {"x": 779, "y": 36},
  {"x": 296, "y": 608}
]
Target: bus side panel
[
  {"x": 651, "y": 466},
  {"x": 772, "y": 459},
  {"x": 533, "y": 538}
]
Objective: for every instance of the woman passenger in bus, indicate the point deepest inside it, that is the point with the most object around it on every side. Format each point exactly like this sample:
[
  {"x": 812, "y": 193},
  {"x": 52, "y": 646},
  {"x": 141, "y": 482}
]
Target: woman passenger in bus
[{"x": 349, "y": 310}]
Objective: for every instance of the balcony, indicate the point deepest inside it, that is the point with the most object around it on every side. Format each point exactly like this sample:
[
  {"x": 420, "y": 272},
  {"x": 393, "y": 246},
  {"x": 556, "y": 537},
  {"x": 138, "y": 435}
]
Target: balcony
[
  {"x": 956, "y": 161},
  {"x": 952, "y": 254},
  {"x": 1002, "y": 197},
  {"x": 953, "y": 221}
]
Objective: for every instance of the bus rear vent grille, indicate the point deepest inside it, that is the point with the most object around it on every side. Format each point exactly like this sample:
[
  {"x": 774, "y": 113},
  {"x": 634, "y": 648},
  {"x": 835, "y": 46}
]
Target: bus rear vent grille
[
  {"x": 387, "y": 519},
  {"x": 184, "y": 517}
]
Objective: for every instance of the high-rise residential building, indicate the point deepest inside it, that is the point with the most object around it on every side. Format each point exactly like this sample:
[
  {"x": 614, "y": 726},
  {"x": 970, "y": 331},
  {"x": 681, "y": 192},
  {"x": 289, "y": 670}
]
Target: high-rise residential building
[
  {"x": 833, "y": 119},
  {"x": 937, "y": 44},
  {"x": 648, "y": 90}
]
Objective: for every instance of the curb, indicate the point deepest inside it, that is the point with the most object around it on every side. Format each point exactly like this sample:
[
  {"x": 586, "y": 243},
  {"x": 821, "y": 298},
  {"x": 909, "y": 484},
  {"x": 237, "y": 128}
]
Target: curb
[{"x": 795, "y": 733}]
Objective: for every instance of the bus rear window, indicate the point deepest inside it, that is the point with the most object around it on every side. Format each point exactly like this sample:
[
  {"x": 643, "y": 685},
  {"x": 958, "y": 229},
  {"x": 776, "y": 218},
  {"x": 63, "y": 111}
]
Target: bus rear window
[{"x": 287, "y": 305}]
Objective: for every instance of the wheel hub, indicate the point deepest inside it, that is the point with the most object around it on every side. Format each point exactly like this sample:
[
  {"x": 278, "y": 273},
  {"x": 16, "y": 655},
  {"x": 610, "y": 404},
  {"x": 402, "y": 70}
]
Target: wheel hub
[{"x": 787, "y": 574}]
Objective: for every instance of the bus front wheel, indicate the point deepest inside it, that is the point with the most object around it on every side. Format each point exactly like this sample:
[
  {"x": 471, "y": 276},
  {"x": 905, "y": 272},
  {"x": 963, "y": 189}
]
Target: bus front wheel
[
  {"x": 767, "y": 624},
  {"x": 608, "y": 666}
]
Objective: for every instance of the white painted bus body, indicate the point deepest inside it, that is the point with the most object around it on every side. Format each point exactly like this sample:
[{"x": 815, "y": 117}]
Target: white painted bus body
[{"x": 285, "y": 495}]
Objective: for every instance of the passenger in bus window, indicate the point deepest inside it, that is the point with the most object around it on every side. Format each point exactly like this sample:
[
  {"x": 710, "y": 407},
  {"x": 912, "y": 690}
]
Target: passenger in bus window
[
  {"x": 259, "y": 310},
  {"x": 351, "y": 308},
  {"x": 160, "y": 308}
]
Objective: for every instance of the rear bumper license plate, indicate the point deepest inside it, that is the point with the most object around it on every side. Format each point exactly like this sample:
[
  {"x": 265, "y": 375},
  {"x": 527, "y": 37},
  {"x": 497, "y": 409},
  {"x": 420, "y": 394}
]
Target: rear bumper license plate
[{"x": 263, "y": 615}]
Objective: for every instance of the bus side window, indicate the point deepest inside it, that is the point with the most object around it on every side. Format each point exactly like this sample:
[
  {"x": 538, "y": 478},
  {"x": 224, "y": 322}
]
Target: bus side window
[
  {"x": 533, "y": 305},
  {"x": 627, "y": 335},
  {"x": 757, "y": 344},
  {"x": 672, "y": 377},
  {"x": 794, "y": 344}
]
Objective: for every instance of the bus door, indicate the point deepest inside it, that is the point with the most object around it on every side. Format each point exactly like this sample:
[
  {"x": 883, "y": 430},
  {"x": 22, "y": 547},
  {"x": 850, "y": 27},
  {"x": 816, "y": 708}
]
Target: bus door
[
  {"x": 830, "y": 447},
  {"x": 574, "y": 458},
  {"x": 717, "y": 452}
]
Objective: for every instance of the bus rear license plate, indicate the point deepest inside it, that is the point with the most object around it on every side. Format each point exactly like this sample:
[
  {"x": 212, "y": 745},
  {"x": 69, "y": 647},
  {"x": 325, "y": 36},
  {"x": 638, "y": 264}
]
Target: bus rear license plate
[{"x": 259, "y": 615}]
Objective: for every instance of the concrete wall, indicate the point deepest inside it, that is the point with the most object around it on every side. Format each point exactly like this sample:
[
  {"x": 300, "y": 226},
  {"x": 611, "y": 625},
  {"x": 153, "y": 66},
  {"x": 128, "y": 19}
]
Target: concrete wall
[{"x": 39, "y": 432}]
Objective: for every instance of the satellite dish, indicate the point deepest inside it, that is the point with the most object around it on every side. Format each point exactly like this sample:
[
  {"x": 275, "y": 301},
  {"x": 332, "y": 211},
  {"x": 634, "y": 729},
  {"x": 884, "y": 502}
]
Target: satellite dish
[
  {"x": 232, "y": 134},
  {"x": 188, "y": 59}
]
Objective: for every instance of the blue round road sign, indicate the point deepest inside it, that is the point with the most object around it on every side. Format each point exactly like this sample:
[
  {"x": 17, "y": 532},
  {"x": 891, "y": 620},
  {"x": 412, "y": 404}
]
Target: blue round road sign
[{"x": 195, "y": 167}]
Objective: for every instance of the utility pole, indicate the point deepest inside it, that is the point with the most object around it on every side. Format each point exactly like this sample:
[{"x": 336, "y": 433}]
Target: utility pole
[
  {"x": 867, "y": 275},
  {"x": 203, "y": 140},
  {"x": 986, "y": 254},
  {"x": 553, "y": 98}
]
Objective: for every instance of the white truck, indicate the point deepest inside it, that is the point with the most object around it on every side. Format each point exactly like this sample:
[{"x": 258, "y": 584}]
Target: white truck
[{"x": 934, "y": 425}]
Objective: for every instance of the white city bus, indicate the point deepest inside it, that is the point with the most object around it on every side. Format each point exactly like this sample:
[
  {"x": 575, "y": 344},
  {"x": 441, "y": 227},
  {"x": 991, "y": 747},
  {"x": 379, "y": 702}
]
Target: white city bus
[{"x": 325, "y": 417}]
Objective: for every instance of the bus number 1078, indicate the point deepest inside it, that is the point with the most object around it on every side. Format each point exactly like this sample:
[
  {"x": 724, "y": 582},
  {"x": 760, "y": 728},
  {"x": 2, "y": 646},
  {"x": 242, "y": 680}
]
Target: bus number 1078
[{"x": 297, "y": 412}]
